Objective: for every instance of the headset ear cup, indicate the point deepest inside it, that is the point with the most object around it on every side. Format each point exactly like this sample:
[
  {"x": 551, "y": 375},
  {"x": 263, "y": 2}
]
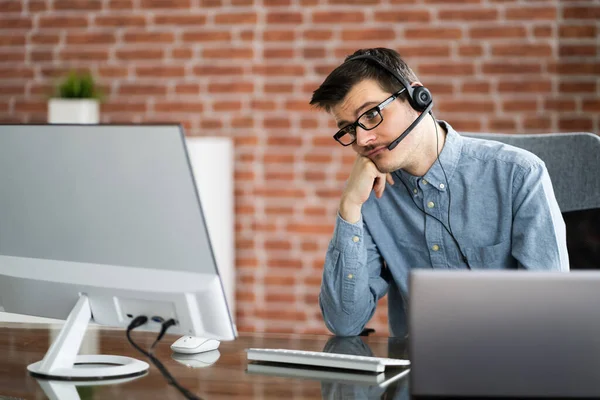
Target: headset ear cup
[{"x": 421, "y": 97}]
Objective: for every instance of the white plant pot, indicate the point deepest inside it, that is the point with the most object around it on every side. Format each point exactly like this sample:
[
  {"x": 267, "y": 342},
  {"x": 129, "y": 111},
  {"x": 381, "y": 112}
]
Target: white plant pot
[{"x": 73, "y": 111}]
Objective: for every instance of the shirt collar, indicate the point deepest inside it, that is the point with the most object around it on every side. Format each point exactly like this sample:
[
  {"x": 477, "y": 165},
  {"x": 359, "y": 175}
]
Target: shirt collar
[{"x": 448, "y": 158}]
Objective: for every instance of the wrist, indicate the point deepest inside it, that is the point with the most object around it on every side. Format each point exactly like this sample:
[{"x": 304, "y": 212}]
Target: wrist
[{"x": 349, "y": 211}]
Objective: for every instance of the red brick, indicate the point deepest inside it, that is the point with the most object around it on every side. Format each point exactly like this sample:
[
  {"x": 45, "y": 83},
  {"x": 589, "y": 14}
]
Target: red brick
[
  {"x": 522, "y": 50},
  {"x": 179, "y": 107},
  {"x": 228, "y": 53},
  {"x": 466, "y": 106},
  {"x": 84, "y": 55},
  {"x": 573, "y": 12},
  {"x": 510, "y": 105},
  {"x": 497, "y": 32},
  {"x": 543, "y": 31},
  {"x": 236, "y": 87},
  {"x": 140, "y": 54},
  {"x": 279, "y": 70},
  {"x": 368, "y": 34},
  {"x": 511, "y": 68},
  {"x": 279, "y": 36},
  {"x": 403, "y": 16},
  {"x": 560, "y": 105},
  {"x": 337, "y": 17},
  {"x": 501, "y": 125},
  {"x": 576, "y": 50},
  {"x": 120, "y": 20},
  {"x": 285, "y": 53},
  {"x": 531, "y": 13},
  {"x": 284, "y": 18},
  {"x": 433, "y": 33},
  {"x": 182, "y": 4},
  {"x": 78, "y": 5},
  {"x": 208, "y": 70},
  {"x": 317, "y": 35},
  {"x": 527, "y": 86},
  {"x": 16, "y": 41},
  {"x": 88, "y": 38},
  {"x": 310, "y": 229},
  {"x": 278, "y": 88},
  {"x": 120, "y": 4},
  {"x": 160, "y": 71},
  {"x": 16, "y": 22},
  {"x": 180, "y": 19},
  {"x": 236, "y": 18},
  {"x": 578, "y": 31},
  {"x": 137, "y": 89},
  {"x": 474, "y": 14},
  {"x": 447, "y": 69},
  {"x": 10, "y": 6},
  {"x": 45, "y": 38},
  {"x": 123, "y": 106},
  {"x": 577, "y": 86},
  {"x": 423, "y": 51},
  {"x": 149, "y": 37},
  {"x": 575, "y": 124}
]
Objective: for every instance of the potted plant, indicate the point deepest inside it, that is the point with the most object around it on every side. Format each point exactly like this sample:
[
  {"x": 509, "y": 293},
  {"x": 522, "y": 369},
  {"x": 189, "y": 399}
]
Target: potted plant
[{"x": 76, "y": 100}]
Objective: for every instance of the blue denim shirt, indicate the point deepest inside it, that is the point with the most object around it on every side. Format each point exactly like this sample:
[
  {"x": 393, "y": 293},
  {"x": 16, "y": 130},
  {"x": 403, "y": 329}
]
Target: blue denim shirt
[{"x": 503, "y": 215}]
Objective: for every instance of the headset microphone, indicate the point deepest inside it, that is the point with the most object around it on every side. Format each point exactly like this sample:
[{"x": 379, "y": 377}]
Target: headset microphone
[{"x": 410, "y": 128}]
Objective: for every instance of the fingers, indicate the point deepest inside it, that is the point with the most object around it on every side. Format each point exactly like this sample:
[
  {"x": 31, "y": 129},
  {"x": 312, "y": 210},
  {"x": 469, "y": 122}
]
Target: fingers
[
  {"x": 389, "y": 179},
  {"x": 379, "y": 186}
]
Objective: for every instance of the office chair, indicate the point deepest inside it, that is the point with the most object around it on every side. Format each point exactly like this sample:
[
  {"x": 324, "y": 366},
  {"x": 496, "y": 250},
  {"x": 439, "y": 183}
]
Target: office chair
[{"x": 573, "y": 163}]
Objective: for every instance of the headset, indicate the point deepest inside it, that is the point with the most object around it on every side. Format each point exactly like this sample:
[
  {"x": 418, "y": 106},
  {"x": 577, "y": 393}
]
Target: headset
[{"x": 419, "y": 98}]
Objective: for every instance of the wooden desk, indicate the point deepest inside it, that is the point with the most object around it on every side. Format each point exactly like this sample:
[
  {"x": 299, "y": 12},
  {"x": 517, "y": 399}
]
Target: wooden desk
[{"x": 21, "y": 345}]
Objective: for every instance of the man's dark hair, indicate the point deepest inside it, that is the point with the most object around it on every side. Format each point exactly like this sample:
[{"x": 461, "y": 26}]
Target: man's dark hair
[{"x": 342, "y": 79}]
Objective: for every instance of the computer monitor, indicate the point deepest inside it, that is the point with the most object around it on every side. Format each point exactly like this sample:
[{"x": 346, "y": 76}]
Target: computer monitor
[{"x": 103, "y": 223}]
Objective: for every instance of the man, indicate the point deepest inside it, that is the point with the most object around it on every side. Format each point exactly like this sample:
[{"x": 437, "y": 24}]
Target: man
[{"x": 422, "y": 196}]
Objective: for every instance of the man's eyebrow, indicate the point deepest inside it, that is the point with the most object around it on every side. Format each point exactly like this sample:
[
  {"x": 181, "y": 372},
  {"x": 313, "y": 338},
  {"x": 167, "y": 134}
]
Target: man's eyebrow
[{"x": 359, "y": 110}]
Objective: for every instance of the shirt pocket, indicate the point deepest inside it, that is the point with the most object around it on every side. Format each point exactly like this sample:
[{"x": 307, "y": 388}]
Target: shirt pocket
[{"x": 496, "y": 256}]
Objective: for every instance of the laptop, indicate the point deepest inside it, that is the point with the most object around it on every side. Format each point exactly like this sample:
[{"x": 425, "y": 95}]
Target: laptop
[{"x": 510, "y": 333}]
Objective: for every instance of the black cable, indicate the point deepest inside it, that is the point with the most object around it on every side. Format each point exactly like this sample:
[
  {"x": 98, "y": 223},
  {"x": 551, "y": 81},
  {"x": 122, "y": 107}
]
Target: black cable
[
  {"x": 437, "y": 141},
  {"x": 449, "y": 228},
  {"x": 141, "y": 320}
]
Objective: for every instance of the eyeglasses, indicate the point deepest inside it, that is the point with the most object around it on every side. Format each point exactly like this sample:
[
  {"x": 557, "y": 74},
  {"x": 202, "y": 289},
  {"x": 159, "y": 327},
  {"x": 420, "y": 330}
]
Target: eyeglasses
[{"x": 368, "y": 120}]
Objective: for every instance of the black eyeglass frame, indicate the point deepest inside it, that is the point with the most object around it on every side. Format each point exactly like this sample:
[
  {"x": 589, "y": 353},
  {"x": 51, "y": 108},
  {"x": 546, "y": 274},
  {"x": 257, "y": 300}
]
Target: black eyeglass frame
[{"x": 346, "y": 129}]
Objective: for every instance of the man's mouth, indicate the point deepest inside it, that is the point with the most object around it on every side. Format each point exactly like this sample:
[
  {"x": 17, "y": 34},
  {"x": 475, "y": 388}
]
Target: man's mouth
[{"x": 376, "y": 150}]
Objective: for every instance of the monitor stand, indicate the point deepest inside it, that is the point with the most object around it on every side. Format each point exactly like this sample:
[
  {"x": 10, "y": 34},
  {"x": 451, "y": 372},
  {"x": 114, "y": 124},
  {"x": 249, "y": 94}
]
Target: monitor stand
[{"x": 61, "y": 361}]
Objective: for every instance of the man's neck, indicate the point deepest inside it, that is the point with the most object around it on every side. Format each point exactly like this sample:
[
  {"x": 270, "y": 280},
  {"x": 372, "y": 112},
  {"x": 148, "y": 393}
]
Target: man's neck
[{"x": 428, "y": 155}]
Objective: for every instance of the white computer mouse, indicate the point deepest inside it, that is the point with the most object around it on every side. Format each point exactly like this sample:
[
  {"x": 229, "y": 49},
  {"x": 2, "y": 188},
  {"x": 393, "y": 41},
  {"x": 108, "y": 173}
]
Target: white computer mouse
[
  {"x": 201, "y": 360},
  {"x": 194, "y": 344}
]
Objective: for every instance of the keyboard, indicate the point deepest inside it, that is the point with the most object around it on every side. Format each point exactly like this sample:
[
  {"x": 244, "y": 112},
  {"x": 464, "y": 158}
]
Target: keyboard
[{"x": 327, "y": 360}]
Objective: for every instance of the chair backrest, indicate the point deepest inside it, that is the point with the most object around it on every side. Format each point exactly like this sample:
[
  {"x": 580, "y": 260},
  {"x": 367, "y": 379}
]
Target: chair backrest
[
  {"x": 572, "y": 159},
  {"x": 573, "y": 162}
]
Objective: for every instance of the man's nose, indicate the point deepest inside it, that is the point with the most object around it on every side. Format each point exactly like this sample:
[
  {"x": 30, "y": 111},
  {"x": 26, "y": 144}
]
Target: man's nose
[{"x": 364, "y": 137}]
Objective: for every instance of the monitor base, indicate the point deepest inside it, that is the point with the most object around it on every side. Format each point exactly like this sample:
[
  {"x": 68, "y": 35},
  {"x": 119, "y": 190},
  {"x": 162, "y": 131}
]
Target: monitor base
[
  {"x": 93, "y": 368},
  {"x": 61, "y": 361}
]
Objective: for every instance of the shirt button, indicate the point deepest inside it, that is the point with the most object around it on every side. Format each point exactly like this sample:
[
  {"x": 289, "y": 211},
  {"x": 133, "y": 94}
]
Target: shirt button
[
  {"x": 350, "y": 276},
  {"x": 435, "y": 247},
  {"x": 431, "y": 204},
  {"x": 442, "y": 186},
  {"x": 415, "y": 191},
  {"x": 355, "y": 239},
  {"x": 424, "y": 182}
]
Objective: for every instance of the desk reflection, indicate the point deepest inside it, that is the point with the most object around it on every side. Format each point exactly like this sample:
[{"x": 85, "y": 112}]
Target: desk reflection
[
  {"x": 395, "y": 381},
  {"x": 345, "y": 384},
  {"x": 64, "y": 390}
]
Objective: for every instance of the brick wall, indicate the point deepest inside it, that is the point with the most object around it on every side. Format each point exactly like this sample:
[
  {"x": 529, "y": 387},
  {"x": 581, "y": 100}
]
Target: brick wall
[{"x": 246, "y": 69}]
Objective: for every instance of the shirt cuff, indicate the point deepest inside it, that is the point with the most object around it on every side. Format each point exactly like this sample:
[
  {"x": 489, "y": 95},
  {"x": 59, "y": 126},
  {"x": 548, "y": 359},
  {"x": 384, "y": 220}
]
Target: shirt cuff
[{"x": 347, "y": 236}]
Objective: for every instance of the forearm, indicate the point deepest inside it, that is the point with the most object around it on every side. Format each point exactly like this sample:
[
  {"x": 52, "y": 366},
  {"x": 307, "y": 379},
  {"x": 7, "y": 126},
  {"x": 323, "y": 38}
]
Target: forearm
[{"x": 348, "y": 293}]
